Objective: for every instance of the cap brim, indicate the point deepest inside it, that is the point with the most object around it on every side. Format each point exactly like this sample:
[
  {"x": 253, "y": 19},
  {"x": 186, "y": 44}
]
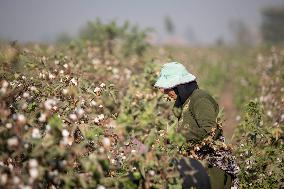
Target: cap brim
[{"x": 172, "y": 82}]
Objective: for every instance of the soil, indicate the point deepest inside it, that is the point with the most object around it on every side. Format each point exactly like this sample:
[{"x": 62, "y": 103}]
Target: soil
[{"x": 226, "y": 101}]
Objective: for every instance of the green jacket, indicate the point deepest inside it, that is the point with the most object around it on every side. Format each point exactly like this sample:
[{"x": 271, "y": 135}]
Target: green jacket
[{"x": 197, "y": 116}]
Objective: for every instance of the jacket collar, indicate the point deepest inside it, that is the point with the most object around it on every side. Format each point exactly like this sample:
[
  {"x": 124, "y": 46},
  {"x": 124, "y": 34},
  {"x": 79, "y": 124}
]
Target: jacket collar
[
  {"x": 186, "y": 103},
  {"x": 177, "y": 111}
]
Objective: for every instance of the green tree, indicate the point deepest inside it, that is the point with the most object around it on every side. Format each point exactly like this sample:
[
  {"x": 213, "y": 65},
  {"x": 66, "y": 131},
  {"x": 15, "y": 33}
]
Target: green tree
[
  {"x": 111, "y": 36},
  {"x": 272, "y": 24},
  {"x": 169, "y": 25}
]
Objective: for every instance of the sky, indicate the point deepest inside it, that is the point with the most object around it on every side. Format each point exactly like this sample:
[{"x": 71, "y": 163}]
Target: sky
[{"x": 198, "y": 21}]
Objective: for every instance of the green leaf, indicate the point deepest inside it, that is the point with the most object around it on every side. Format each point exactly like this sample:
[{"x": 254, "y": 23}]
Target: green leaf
[
  {"x": 55, "y": 122},
  {"x": 32, "y": 106}
]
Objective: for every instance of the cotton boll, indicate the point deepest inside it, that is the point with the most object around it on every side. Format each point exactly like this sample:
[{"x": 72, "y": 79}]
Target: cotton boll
[
  {"x": 5, "y": 84},
  {"x": 73, "y": 117},
  {"x": 47, "y": 128},
  {"x": 13, "y": 142},
  {"x": 33, "y": 173},
  {"x": 24, "y": 106},
  {"x": 26, "y": 94},
  {"x": 96, "y": 61},
  {"x": 66, "y": 66},
  {"x": 152, "y": 173},
  {"x": 33, "y": 163},
  {"x": 269, "y": 113},
  {"x": 93, "y": 103},
  {"x": 80, "y": 112},
  {"x": 9, "y": 125},
  {"x": 33, "y": 88},
  {"x": 49, "y": 103},
  {"x": 65, "y": 133},
  {"x": 42, "y": 117},
  {"x": 106, "y": 142},
  {"x": 97, "y": 89},
  {"x": 282, "y": 118},
  {"x": 74, "y": 81},
  {"x": 101, "y": 150},
  {"x": 16, "y": 180},
  {"x": 51, "y": 76},
  {"x": 20, "y": 119},
  {"x": 65, "y": 91},
  {"x": 97, "y": 120},
  {"x": 102, "y": 85},
  {"x": 3, "y": 178},
  {"x": 26, "y": 145},
  {"x": 36, "y": 133},
  {"x": 101, "y": 187},
  {"x": 101, "y": 116}
]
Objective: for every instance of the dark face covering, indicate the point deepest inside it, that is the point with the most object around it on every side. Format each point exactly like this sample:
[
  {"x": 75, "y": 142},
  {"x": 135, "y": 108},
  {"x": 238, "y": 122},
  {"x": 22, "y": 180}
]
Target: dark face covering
[{"x": 183, "y": 91}]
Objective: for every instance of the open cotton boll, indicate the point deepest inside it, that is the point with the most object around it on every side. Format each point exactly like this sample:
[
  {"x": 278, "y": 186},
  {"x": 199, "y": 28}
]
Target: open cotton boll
[
  {"x": 102, "y": 85},
  {"x": 79, "y": 111},
  {"x": 73, "y": 117},
  {"x": 33, "y": 163},
  {"x": 33, "y": 173},
  {"x": 74, "y": 81},
  {"x": 26, "y": 94},
  {"x": 42, "y": 117},
  {"x": 101, "y": 116},
  {"x": 93, "y": 103},
  {"x": 51, "y": 76},
  {"x": 65, "y": 133},
  {"x": 49, "y": 103},
  {"x": 5, "y": 84},
  {"x": 106, "y": 142},
  {"x": 20, "y": 119},
  {"x": 36, "y": 133},
  {"x": 13, "y": 141},
  {"x": 97, "y": 89},
  {"x": 101, "y": 187}
]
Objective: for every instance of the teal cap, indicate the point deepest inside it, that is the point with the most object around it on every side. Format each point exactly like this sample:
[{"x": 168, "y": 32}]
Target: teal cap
[{"x": 173, "y": 74}]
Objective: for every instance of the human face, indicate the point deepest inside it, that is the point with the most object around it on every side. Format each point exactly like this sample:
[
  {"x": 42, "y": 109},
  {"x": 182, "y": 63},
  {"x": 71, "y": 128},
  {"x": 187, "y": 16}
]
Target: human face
[{"x": 170, "y": 92}]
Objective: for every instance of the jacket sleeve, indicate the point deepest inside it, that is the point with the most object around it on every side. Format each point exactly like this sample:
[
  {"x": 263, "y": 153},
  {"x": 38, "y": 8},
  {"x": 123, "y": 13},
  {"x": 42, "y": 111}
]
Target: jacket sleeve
[{"x": 205, "y": 114}]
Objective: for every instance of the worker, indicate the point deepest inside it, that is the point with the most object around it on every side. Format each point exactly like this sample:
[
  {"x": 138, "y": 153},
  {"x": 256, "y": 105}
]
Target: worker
[{"x": 197, "y": 113}]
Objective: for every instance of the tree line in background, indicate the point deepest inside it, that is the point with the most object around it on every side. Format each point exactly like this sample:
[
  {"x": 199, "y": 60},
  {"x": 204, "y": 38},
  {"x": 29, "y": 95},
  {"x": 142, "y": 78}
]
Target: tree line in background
[{"x": 272, "y": 27}]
